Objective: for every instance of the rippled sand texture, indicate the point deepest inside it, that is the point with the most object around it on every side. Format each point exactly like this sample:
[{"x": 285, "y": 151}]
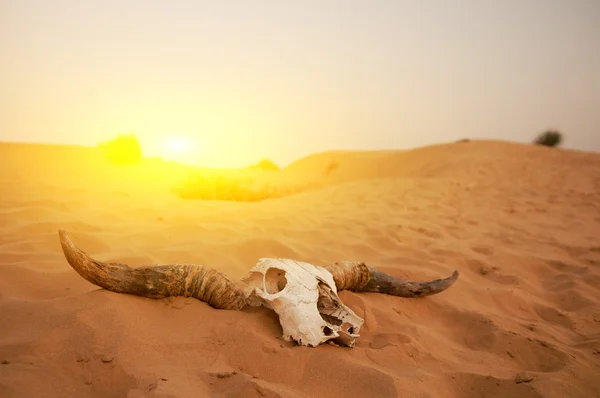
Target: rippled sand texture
[{"x": 521, "y": 224}]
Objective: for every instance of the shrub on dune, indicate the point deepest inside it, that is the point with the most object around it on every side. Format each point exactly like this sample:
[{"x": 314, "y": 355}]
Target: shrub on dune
[
  {"x": 245, "y": 187},
  {"x": 550, "y": 138},
  {"x": 239, "y": 189},
  {"x": 125, "y": 149},
  {"x": 265, "y": 165}
]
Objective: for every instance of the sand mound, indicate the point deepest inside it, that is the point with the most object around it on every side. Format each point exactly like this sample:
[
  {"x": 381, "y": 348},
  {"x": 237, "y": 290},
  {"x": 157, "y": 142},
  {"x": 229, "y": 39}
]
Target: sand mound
[
  {"x": 474, "y": 163},
  {"x": 521, "y": 224}
]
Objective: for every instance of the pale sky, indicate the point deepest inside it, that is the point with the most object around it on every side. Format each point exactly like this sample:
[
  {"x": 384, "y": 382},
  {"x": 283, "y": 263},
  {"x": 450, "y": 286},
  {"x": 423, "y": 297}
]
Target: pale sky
[{"x": 250, "y": 79}]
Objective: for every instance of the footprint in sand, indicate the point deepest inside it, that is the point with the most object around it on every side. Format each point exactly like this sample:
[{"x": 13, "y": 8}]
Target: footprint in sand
[
  {"x": 476, "y": 332},
  {"x": 382, "y": 340},
  {"x": 552, "y": 315},
  {"x": 567, "y": 267},
  {"x": 477, "y": 385},
  {"x": 426, "y": 232},
  {"x": 572, "y": 300},
  {"x": 560, "y": 282},
  {"x": 491, "y": 273},
  {"x": 486, "y": 251},
  {"x": 564, "y": 286}
]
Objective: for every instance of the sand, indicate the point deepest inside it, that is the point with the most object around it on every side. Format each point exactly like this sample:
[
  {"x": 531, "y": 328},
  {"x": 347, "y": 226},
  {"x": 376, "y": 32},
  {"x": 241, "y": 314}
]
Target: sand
[{"x": 521, "y": 223}]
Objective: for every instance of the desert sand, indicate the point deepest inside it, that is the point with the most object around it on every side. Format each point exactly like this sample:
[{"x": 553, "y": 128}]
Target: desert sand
[{"x": 521, "y": 223}]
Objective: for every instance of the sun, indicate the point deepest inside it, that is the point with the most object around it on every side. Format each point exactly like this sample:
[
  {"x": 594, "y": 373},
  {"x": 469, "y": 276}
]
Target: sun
[
  {"x": 176, "y": 148},
  {"x": 178, "y": 145}
]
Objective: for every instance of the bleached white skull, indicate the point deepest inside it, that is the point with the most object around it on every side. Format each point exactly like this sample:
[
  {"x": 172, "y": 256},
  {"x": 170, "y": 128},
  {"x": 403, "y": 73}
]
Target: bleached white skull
[{"x": 305, "y": 298}]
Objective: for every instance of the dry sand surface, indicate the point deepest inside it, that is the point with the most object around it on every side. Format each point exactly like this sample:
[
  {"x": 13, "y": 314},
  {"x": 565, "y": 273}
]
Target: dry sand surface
[{"x": 521, "y": 223}]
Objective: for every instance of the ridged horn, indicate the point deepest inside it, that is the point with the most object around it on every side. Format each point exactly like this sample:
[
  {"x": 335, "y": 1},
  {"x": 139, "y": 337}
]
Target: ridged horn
[
  {"x": 359, "y": 277},
  {"x": 158, "y": 281}
]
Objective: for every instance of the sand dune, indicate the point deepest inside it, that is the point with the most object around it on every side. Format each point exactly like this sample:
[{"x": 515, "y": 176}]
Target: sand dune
[{"x": 521, "y": 223}]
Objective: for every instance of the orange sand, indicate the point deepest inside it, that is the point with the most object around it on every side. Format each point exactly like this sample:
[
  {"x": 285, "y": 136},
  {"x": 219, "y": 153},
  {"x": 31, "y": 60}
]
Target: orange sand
[{"x": 521, "y": 223}]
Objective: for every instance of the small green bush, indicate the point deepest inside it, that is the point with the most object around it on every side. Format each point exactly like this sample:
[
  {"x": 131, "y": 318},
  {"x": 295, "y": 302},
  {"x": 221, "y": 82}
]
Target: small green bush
[
  {"x": 550, "y": 138},
  {"x": 125, "y": 149},
  {"x": 265, "y": 165}
]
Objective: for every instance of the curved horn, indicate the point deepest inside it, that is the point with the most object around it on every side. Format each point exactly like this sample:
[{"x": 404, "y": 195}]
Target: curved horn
[
  {"x": 358, "y": 277},
  {"x": 202, "y": 283}
]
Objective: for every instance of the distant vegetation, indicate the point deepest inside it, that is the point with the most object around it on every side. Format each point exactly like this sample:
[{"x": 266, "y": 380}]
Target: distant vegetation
[
  {"x": 549, "y": 138},
  {"x": 242, "y": 188},
  {"x": 265, "y": 165},
  {"x": 125, "y": 149},
  {"x": 261, "y": 181}
]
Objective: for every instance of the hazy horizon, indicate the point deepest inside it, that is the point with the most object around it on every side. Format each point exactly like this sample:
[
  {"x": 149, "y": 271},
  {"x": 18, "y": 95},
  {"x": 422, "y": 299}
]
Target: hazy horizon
[{"x": 250, "y": 80}]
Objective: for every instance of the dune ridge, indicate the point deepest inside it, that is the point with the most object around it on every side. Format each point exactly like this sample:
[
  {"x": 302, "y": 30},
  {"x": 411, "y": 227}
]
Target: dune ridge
[{"x": 520, "y": 223}]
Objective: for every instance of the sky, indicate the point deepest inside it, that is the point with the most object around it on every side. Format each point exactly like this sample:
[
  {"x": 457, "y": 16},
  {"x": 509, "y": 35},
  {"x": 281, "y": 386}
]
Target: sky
[{"x": 233, "y": 82}]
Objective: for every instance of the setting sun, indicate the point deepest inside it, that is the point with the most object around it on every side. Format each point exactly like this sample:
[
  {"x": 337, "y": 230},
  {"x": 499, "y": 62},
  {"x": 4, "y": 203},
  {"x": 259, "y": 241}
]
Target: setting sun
[
  {"x": 178, "y": 145},
  {"x": 177, "y": 148}
]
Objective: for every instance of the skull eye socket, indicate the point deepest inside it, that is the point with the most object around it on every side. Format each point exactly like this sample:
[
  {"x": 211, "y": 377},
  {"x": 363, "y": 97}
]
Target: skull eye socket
[
  {"x": 327, "y": 331},
  {"x": 275, "y": 280}
]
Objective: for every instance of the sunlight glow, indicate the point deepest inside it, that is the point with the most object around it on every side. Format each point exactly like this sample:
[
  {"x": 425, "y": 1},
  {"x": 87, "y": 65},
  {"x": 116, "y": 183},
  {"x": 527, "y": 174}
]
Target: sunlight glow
[{"x": 178, "y": 145}]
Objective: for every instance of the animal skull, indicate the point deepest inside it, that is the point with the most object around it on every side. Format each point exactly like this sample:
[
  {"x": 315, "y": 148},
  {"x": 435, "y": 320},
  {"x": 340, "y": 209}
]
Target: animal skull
[
  {"x": 303, "y": 295},
  {"x": 306, "y": 300}
]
